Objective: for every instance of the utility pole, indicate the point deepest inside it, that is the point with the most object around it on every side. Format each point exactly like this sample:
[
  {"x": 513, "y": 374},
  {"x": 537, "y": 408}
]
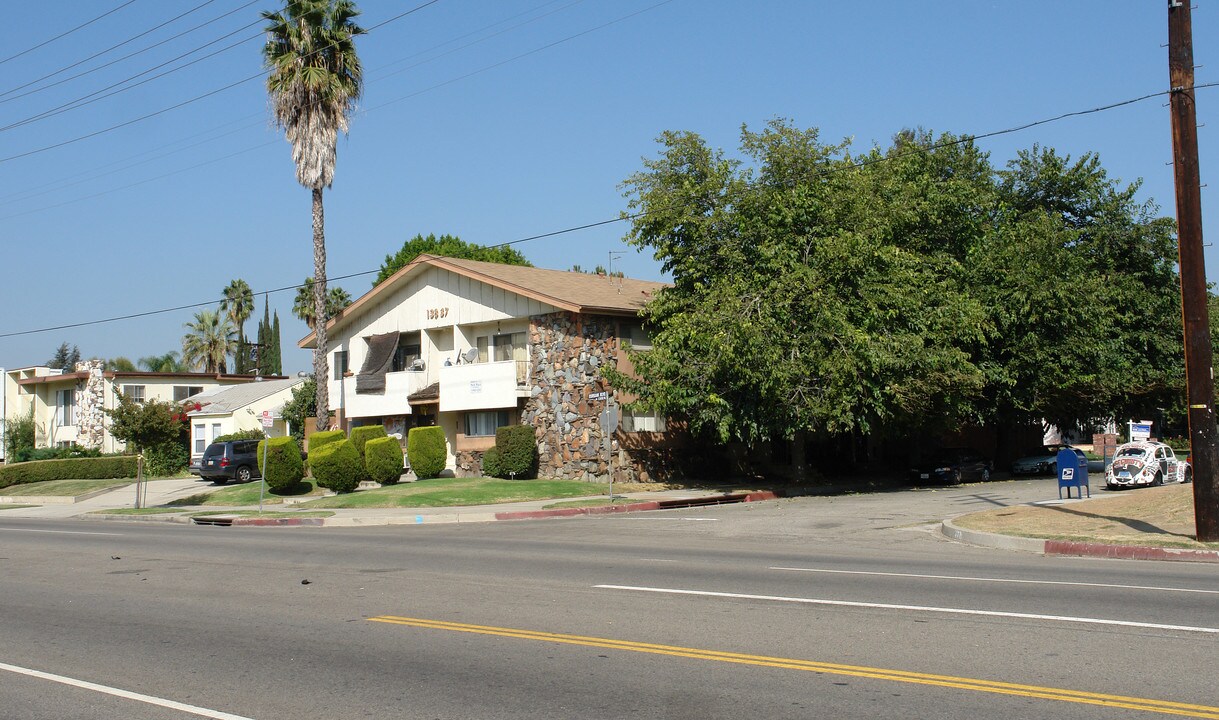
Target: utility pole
[{"x": 1204, "y": 455}]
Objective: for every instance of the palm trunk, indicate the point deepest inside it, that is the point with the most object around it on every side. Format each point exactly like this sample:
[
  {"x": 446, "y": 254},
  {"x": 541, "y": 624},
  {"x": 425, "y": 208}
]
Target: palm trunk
[{"x": 321, "y": 370}]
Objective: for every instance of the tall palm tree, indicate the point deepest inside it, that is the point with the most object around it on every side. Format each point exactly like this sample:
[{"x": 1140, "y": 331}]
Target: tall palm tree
[
  {"x": 208, "y": 341},
  {"x": 314, "y": 82},
  {"x": 163, "y": 363},
  {"x": 238, "y": 301}
]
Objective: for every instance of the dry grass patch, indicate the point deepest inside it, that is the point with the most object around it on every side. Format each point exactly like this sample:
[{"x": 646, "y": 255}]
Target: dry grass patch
[{"x": 1161, "y": 516}]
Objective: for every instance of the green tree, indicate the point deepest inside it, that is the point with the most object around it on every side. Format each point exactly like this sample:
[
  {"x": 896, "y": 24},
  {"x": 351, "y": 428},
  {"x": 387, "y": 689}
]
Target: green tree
[
  {"x": 208, "y": 342},
  {"x": 65, "y": 358},
  {"x": 238, "y": 302},
  {"x": 277, "y": 360},
  {"x": 447, "y": 246},
  {"x": 145, "y": 425},
  {"x": 119, "y": 364},
  {"x": 314, "y": 82},
  {"x": 302, "y": 307},
  {"x": 168, "y": 362},
  {"x": 302, "y": 405}
]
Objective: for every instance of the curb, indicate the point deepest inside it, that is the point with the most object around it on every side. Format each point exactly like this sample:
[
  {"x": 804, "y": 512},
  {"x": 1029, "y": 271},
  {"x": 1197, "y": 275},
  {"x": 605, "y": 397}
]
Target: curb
[
  {"x": 1068, "y": 548},
  {"x": 640, "y": 506}
]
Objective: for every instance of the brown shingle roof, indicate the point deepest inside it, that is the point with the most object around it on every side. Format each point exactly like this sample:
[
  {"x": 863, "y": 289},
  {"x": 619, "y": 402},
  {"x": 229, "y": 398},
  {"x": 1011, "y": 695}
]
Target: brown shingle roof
[{"x": 575, "y": 291}]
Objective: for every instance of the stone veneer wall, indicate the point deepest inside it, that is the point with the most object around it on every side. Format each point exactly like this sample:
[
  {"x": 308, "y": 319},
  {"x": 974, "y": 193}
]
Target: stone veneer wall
[
  {"x": 566, "y": 354},
  {"x": 90, "y": 403}
]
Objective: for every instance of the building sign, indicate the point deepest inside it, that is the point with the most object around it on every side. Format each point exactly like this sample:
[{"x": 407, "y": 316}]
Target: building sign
[
  {"x": 476, "y": 386},
  {"x": 1140, "y": 430},
  {"x": 598, "y": 395}
]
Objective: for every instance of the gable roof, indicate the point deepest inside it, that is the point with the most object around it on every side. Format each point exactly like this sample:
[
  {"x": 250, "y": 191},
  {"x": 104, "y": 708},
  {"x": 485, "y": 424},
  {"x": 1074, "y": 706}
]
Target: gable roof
[
  {"x": 570, "y": 290},
  {"x": 234, "y": 397}
]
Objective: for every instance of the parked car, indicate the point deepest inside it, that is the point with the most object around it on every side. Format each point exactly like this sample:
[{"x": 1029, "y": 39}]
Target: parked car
[
  {"x": 1043, "y": 461},
  {"x": 1139, "y": 464},
  {"x": 232, "y": 460},
  {"x": 953, "y": 466}
]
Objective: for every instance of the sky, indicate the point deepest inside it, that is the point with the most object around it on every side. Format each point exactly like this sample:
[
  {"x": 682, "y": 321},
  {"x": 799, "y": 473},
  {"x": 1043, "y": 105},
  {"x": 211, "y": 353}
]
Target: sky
[{"x": 496, "y": 120}]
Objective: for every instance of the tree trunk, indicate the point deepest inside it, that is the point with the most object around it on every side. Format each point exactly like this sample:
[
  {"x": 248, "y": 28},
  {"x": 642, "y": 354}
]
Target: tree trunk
[{"x": 321, "y": 370}]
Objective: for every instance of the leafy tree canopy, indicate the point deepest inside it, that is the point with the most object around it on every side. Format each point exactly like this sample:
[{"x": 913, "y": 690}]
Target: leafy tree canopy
[
  {"x": 447, "y": 246},
  {"x": 65, "y": 358},
  {"x": 145, "y": 425}
]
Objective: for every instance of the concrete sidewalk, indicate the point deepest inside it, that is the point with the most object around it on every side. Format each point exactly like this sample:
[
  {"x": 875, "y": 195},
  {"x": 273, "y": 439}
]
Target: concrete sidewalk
[{"x": 158, "y": 493}]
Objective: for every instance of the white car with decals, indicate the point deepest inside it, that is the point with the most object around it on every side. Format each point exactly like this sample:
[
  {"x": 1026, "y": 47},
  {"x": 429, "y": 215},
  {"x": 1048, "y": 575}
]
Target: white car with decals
[{"x": 1146, "y": 463}]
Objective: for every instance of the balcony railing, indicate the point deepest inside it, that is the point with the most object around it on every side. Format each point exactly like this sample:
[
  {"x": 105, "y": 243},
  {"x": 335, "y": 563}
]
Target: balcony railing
[{"x": 398, "y": 386}]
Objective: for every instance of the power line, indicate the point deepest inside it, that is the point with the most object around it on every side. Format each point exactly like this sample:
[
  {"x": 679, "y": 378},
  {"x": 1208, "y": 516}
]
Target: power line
[
  {"x": 66, "y": 33},
  {"x": 115, "y": 47}
]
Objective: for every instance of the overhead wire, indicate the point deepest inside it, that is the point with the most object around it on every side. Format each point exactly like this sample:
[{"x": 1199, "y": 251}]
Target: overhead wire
[{"x": 66, "y": 33}]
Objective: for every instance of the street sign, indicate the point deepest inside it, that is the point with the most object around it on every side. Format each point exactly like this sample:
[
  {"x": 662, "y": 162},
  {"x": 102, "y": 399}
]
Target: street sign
[
  {"x": 598, "y": 395},
  {"x": 267, "y": 420}
]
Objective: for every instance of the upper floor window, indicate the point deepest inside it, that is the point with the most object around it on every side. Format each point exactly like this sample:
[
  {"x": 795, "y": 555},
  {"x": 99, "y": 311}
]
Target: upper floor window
[
  {"x": 65, "y": 407},
  {"x": 502, "y": 347},
  {"x": 134, "y": 393},
  {"x": 181, "y": 392},
  {"x": 410, "y": 350},
  {"x": 340, "y": 364}
]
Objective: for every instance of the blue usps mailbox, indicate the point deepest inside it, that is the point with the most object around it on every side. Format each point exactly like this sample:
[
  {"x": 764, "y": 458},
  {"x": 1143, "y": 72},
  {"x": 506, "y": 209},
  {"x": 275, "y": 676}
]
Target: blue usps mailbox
[{"x": 1072, "y": 473}]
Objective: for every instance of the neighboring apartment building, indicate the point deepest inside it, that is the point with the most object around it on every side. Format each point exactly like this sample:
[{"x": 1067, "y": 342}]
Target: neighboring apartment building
[
  {"x": 69, "y": 408},
  {"x": 473, "y": 346}
]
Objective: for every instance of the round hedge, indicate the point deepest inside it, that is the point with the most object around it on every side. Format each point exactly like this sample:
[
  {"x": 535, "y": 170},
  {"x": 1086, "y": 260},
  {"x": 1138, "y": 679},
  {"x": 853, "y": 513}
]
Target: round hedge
[
  {"x": 491, "y": 463},
  {"x": 359, "y": 436},
  {"x": 428, "y": 451},
  {"x": 324, "y": 437},
  {"x": 516, "y": 450},
  {"x": 383, "y": 460},
  {"x": 336, "y": 466},
  {"x": 284, "y": 468}
]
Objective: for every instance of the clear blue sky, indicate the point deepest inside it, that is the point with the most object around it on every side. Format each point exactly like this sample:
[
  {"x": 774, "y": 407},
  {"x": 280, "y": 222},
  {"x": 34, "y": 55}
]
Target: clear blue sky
[{"x": 498, "y": 120}]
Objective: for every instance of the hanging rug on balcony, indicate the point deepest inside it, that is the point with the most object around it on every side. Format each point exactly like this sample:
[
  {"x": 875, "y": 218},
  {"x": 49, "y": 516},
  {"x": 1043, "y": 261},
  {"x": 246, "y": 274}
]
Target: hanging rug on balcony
[{"x": 371, "y": 378}]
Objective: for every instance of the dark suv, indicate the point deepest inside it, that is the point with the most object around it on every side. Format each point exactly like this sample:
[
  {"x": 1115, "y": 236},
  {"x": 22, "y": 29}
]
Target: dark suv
[{"x": 232, "y": 460}]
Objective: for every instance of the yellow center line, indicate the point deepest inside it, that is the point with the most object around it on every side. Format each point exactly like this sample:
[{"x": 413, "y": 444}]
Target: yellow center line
[{"x": 963, "y": 683}]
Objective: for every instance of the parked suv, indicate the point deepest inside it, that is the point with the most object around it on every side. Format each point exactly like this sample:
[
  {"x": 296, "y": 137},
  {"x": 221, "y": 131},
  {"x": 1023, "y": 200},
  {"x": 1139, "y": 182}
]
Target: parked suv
[{"x": 232, "y": 460}]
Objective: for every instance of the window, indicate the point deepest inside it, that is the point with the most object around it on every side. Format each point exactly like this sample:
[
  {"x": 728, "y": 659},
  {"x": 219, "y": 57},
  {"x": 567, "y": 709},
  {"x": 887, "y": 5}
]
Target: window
[
  {"x": 216, "y": 431},
  {"x": 409, "y": 350},
  {"x": 639, "y": 421},
  {"x": 65, "y": 407},
  {"x": 340, "y": 364},
  {"x": 134, "y": 393},
  {"x": 483, "y": 424},
  {"x": 633, "y": 332},
  {"x": 200, "y": 438},
  {"x": 502, "y": 347},
  {"x": 181, "y": 392}
]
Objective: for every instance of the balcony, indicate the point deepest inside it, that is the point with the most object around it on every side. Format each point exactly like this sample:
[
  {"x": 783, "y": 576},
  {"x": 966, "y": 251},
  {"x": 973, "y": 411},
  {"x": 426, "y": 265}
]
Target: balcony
[
  {"x": 398, "y": 386},
  {"x": 483, "y": 386}
]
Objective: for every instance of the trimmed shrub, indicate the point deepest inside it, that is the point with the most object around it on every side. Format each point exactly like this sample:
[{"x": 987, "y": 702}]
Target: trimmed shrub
[
  {"x": 242, "y": 435},
  {"x": 166, "y": 459},
  {"x": 383, "y": 459},
  {"x": 427, "y": 450},
  {"x": 359, "y": 436},
  {"x": 491, "y": 464},
  {"x": 336, "y": 466},
  {"x": 517, "y": 449},
  {"x": 102, "y": 468},
  {"x": 325, "y": 437},
  {"x": 284, "y": 467}
]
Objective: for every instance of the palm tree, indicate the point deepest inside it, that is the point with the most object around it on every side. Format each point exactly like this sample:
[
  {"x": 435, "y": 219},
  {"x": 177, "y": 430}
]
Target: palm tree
[
  {"x": 336, "y": 299},
  {"x": 238, "y": 301},
  {"x": 162, "y": 363},
  {"x": 208, "y": 342},
  {"x": 314, "y": 82}
]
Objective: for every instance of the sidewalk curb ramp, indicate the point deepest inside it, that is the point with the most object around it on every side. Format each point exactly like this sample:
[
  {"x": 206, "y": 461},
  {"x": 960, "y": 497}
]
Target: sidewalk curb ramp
[{"x": 1069, "y": 548}]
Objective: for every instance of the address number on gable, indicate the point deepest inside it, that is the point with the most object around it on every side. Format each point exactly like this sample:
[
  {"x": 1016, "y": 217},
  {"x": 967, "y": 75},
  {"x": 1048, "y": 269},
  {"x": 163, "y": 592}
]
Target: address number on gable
[{"x": 437, "y": 313}]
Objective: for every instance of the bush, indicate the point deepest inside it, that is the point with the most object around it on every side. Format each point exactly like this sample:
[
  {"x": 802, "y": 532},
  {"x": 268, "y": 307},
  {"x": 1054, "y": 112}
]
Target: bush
[
  {"x": 284, "y": 467},
  {"x": 361, "y": 435},
  {"x": 324, "y": 437},
  {"x": 516, "y": 449},
  {"x": 336, "y": 466},
  {"x": 427, "y": 450},
  {"x": 166, "y": 459},
  {"x": 19, "y": 436},
  {"x": 383, "y": 459},
  {"x": 242, "y": 435},
  {"x": 491, "y": 464},
  {"x": 102, "y": 468}
]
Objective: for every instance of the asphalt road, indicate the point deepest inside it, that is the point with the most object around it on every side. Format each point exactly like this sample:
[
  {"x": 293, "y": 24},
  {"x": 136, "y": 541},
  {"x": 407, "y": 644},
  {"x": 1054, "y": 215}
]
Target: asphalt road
[{"x": 847, "y": 607}]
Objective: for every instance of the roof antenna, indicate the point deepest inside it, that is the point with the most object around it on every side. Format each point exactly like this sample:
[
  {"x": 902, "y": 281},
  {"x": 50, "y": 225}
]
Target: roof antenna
[{"x": 610, "y": 271}]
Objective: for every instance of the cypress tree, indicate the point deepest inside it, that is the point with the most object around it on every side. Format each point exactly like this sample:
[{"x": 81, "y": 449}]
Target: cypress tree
[{"x": 278, "y": 367}]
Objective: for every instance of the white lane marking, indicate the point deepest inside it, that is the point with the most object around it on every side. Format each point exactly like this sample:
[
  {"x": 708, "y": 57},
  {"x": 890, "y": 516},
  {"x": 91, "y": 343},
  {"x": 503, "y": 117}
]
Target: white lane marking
[
  {"x": 171, "y": 704},
  {"x": 917, "y": 608},
  {"x": 998, "y": 580},
  {"x": 61, "y": 532}
]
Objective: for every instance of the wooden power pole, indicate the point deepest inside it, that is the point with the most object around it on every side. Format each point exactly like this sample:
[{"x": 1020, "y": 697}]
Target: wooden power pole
[{"x": 1204, "y": 455}]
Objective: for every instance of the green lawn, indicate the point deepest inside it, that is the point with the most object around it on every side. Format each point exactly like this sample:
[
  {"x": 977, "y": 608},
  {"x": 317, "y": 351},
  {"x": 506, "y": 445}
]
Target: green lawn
[
  {"x": 246, "y": 494},
  {"x": 66, "y": 488},
  {"x": 456, "y": 492}
]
